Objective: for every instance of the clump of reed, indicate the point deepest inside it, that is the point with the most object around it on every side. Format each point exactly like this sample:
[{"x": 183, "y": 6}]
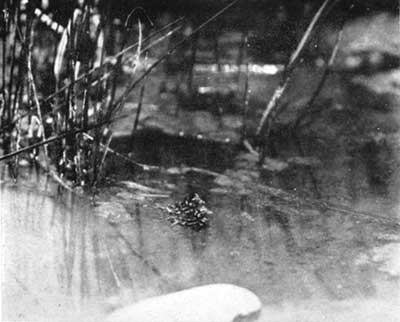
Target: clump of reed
[
  {"x": 68, "y": 132},
  {"x": 76, "y": 117}
]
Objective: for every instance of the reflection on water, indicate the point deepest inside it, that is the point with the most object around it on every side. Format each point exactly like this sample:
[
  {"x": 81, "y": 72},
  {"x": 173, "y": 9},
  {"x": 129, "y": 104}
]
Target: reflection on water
[
  {"x": 266, "y": 69},
  {"x": 258, "y": 69},
  {"x": 62, "y": 263}
]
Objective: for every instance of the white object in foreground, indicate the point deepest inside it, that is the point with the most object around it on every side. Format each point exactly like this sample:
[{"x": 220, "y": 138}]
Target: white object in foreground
[{"x": 209, "y": 303}]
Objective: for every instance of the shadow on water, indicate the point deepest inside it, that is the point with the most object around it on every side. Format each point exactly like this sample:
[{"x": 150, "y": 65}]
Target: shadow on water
[{"x": 154, "y": 147}]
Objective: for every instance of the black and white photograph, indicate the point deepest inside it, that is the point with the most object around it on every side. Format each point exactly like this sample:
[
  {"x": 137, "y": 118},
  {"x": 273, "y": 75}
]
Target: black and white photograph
[{"x": 200, "y": 160}]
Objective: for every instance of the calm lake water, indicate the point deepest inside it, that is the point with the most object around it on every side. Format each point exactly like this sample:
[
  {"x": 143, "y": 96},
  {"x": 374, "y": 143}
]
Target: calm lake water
[{"x": 307, "y": 260}]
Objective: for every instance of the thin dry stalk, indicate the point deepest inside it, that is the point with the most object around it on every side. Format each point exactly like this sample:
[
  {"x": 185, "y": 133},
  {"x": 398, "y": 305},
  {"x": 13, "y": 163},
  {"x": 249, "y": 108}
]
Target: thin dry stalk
[
  {"x": 18, "y": 89},
  {"x": 193, "y": 54},
  {"x": 60, "y": 53},
  {"x": 127, "y": 29},
  {"x": 139, "y": 48},
  {"x": 32, "y": 85},
  {"x": 140, "y": 166},
  {"x": 270, "y": 111},
  {"x": 246, "y": 93},
  {"x": 4, "y": 23},
  {"x": 139, "y": 108},
  {"x": 160, "y": 39},
  {"x": 99, "y": 169},
  {"x": 4, "y": 30},
  {"x": 141, "y": 94},
  {"x": 327, "y": 71},
  {"x": 101, "y": 92},
  {"x": 112, "y": 268},
  {"x": 216, "y": 50}
]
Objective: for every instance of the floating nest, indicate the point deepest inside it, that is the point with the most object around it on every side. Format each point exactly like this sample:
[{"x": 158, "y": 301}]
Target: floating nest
[{"x": 191, "y": 212}]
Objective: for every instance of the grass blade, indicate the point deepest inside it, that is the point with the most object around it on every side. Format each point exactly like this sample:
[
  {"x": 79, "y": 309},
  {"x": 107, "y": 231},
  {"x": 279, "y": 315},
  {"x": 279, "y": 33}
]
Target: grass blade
[
  {"x": 270, "y": 110},
  {"x": 327, "y": 70}
]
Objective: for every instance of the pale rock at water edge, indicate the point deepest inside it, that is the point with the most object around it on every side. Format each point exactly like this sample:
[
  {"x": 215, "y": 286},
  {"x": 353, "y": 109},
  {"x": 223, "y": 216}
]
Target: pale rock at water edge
[{"x": 209, "y": 303}]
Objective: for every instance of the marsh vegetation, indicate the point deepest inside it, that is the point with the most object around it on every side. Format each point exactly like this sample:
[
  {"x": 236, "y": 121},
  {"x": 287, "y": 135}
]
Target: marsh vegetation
[{"x": 271, "y": 125}]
